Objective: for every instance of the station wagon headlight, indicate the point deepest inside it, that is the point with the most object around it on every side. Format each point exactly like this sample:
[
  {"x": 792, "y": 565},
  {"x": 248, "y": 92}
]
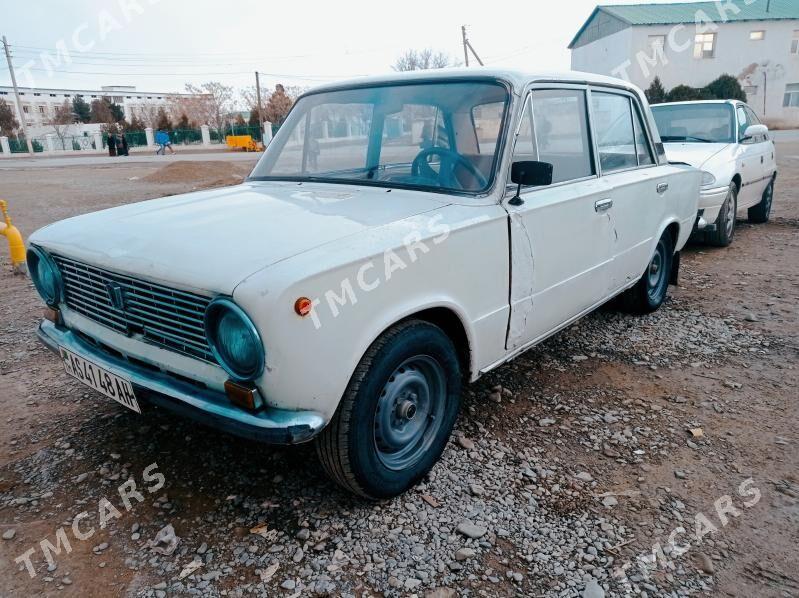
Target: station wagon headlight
[
  {"x": 45, "y": 275},
  {"x": 708, "y": 179},
  {"x": 234, "y": 340}
]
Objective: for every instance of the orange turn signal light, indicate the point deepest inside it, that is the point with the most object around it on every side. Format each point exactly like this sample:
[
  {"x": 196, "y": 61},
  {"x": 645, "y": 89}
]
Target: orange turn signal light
[
  {"x": 53, "y": 315},
  {"x": 243, "y": 396},
  {"x": 303, "y": 306}
]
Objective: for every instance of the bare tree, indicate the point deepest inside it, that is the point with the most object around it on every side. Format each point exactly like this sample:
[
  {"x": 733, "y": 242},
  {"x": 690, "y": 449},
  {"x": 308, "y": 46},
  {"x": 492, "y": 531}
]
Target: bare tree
[
  {"x": 61, "y": 119},
  {"x": 274, "y": 105},
  {"x": 421, "y": 60},
  {"x": 217, "y": 103}
]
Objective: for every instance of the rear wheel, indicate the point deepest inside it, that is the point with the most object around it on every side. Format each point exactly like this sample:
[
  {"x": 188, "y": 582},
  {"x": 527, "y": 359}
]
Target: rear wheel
[
  {"x": 397, "y": 413},
  {"x": 725, "y": 223},
  {"x": 650, "y": 291},
  {"x": 760, "y": 213}
]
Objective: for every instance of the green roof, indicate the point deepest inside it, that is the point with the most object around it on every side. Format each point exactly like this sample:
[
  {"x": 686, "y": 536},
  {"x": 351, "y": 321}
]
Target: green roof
[{"x": 686, "y": 12}]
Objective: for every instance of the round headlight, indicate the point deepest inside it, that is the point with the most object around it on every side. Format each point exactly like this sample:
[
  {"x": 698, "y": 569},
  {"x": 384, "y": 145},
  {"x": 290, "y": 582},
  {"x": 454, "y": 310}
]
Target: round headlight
[
  {"x": 234, "y": 340},
  {"x": 45, "y": 276}
]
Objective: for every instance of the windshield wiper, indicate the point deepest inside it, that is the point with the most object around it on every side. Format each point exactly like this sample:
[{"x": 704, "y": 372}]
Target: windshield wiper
[{"x": 668, "y": 138}]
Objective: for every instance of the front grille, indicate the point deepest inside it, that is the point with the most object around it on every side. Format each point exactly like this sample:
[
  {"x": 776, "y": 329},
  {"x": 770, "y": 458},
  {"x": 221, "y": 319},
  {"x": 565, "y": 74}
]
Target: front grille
[{"x": 166, "y": 317}]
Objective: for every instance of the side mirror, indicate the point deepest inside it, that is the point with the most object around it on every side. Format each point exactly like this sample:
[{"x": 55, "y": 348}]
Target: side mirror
[
  {"x": 529, "y": 173},
  {"x": 753, "y": 131}
]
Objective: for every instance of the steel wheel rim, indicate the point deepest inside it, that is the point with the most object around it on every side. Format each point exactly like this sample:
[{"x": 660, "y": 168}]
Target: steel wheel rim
[
  {"x": 769, "y": 197},
  {"x": 656, "y": 272},
  {"x": 729, "y": 215},
  {"x": 409, "y": 412}
]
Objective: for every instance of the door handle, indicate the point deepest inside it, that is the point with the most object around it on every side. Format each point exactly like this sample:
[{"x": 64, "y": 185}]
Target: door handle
[
  {"x": 662, "y": 188},
  {"x": 603, "y": 205}
]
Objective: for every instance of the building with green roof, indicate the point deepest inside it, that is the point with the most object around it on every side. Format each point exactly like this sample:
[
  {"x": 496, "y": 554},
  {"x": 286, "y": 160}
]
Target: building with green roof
[{"x": 692, "y": 43}]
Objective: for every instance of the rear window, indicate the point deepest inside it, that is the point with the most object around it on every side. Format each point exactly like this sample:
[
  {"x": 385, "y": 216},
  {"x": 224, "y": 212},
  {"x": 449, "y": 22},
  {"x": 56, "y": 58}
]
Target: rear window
[{"x": 695, "y": 123}]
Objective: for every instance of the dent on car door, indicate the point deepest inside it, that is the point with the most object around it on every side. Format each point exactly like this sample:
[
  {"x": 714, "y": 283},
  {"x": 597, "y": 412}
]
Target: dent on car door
[
  {"x": 638, "y": 189},
  {"x": 561, "y": 241}
]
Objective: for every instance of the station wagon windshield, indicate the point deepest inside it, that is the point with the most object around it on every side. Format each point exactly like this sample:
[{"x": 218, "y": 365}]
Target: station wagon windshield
[
  {"x": 695, "y": 123},
  {"x": 431, "y": 136}
]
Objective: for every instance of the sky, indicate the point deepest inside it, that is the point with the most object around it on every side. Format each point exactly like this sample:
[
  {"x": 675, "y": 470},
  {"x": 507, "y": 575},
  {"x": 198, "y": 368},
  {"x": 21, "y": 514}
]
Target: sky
[{"x": 159, "y": 45}]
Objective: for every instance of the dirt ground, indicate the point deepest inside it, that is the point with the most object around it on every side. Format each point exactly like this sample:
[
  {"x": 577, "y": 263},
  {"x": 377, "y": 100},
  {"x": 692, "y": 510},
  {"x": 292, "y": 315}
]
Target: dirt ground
[{"x": 63, "y": 447}]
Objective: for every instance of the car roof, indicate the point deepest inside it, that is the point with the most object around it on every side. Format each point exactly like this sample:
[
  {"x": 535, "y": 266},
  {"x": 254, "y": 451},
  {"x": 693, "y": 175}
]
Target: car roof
[
  {"x": 518, "y": 79},
  {"x": 731, "y": 102}
]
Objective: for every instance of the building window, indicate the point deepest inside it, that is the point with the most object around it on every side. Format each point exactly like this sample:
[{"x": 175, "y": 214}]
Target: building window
[
  {"x": 791, "y": 99},
  {"x": 757, "y": 36},
  {"x": 41, "y": 109},
  {"x": 52, "y": 95},
  {"x": 750, "y": 90},
  {"x": 795, "y": 43},
  {"x": 704, "y": 45},
  {"x": 37, "y": 94},
  {"x": 26, "y": 109},
  {"x": 657, "y": 44}
]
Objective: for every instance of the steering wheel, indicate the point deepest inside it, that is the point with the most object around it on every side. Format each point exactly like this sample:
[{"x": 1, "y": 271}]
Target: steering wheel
[{"x": 446, "y": 174}]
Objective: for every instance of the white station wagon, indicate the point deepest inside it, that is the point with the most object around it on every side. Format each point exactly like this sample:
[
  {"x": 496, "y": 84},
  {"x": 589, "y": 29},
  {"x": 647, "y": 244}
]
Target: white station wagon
[
  {"x": 400, "y": 235},
  {"x": 728, "y": 142}
]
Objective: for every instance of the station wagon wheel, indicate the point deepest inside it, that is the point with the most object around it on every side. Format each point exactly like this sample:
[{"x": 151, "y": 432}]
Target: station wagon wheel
[
  {"x": 397, "y": 413},
  {"x": 651, "y": 290},
  {"x": 409, "y": 411},
  {"x": 760, "y": 213}
]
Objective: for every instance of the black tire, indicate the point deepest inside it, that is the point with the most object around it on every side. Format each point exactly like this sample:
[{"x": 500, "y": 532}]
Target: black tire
[
  {"x": 362, "y": 447},
  {"x": 725, "y": 223},
  {"x": 760, "y": 213},
  {"x": 651, "y": 290}
]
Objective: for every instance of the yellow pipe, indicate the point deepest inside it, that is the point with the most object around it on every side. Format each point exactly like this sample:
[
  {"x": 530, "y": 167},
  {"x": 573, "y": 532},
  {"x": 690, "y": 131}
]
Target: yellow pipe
[{"x": 16, "y": 245}]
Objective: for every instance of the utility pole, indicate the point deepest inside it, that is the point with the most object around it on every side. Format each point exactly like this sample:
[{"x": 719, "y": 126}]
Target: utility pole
[
  {"x": 467, "y": 47},
  {"x": 16, "y": 94},
  {"x": 260, "y": 106}
]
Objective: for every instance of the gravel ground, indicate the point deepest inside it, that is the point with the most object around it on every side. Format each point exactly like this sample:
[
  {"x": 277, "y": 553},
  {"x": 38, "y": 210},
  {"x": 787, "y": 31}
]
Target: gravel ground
[{"x": 567, "y": 466}]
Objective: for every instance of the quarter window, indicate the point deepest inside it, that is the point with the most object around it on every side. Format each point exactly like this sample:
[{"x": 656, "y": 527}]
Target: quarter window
[
  {"x": 615, "y": 134},
  {"x": 560, "y": 133},
  {"x": 705, "y": 45}
]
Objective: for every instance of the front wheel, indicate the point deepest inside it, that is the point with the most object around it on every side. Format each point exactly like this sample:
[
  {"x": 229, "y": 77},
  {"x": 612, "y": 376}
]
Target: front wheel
[
  {"x": 760, "y": 213},
  {"x": 650, "y": 291},
  {"x": 397, "y": 413},
  {"x": 725, "y": 223}
]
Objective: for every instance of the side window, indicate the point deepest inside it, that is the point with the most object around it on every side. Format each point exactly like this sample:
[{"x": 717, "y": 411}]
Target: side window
[
  {"x": 525, "y": 146},
  {"x": 743, "y": 121},
  {"x": 613, "y": 124},
  {"x": 641, "y": 143},
  {"x": 560, "y": 133}
]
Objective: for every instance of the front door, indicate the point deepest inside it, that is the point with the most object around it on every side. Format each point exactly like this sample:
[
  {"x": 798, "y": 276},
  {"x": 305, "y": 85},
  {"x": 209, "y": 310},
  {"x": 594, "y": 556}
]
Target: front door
[
  {"x": 752, "y": 161},
  {"x": 561, "y": 235}
]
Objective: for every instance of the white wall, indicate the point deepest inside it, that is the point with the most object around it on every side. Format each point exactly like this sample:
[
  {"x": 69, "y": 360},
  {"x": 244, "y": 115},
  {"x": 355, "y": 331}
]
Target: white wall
[
  {"x": 603, "y": 55},
  {"x": 735, "y": 55}
]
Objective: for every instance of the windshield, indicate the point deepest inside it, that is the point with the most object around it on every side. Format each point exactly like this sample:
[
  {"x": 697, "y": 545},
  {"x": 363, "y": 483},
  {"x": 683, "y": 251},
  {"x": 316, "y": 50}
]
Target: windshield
[
  {"x": 433, "y": 136},
  {"x": 695, "y": 123}
]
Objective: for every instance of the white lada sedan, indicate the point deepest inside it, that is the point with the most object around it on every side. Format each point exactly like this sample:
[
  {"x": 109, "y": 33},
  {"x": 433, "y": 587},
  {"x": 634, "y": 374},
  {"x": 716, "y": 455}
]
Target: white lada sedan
[
  {"x": 400, "y": 235},
  {"x": 727, "y": 141}
]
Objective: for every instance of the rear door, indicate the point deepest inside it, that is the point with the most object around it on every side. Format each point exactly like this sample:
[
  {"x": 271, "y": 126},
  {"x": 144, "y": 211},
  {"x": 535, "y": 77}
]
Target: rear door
[
  {"x": 627, "y": 164},
  {"x": 561, "y": 235}
]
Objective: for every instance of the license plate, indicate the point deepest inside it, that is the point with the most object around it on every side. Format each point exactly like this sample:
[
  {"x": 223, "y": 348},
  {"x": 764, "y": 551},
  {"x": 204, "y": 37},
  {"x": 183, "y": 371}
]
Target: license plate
[{"x": 100, "y": 379}]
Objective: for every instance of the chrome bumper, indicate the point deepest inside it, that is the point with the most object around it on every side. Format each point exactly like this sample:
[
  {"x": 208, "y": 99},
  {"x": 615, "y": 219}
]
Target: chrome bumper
[{"x": 273, "y": 426}]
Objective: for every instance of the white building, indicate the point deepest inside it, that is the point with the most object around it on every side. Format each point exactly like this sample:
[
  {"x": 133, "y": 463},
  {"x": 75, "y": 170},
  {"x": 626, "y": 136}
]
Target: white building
[
  {"x": 693, "y": 43},
  {"x": 38, "y": 103}
]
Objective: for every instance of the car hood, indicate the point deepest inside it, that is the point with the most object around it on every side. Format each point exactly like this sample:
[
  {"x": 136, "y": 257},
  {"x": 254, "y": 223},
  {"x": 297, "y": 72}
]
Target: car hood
[
  {"x": 209, "y": 241},
  {"x": 695, "y": 154}
]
